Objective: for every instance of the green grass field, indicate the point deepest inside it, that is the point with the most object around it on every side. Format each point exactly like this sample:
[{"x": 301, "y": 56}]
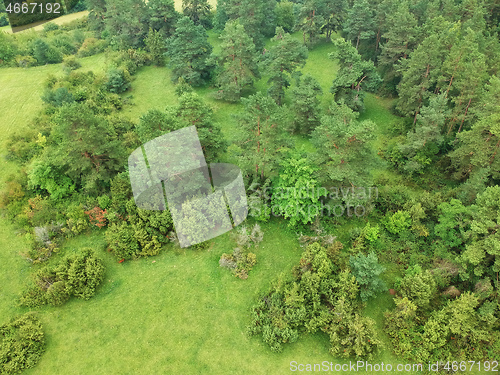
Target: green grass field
[{"x": 179, "y": 312}]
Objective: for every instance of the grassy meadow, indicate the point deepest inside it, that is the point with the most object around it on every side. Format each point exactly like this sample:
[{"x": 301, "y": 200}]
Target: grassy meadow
[{"x": 179, "y": 312}]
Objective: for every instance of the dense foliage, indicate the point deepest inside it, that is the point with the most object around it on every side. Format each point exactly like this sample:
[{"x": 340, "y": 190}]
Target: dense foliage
[{"x": 22, "y": 343}]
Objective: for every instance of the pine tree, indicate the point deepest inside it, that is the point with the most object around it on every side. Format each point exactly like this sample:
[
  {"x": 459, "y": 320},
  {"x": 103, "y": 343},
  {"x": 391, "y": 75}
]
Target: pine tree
[
  {"x": 198, "y": 11},
  {"x": 399, "y": 39},
  {"x": 189, "y": 52},
  {"x": 97, "y": 15},
  {"x": 359, "y": 24},
  {"x": 420, "y": 73},
  {"x": 423, "y": 143},
  {"x": 162, "y": 16},
  {"x": 238, "y": 66},
  {"x": 344, "y": 149},
  {"x": 335, "y": 13},
  {"x": 261, "y": 135},
  {"x": 306, "y": 105},
  {"x": 311, "y": 21},
  {"x": 126, "y": 23},
  {"x": 257, "y": 17},
  {"x": 281, "y": 61},
  {"x": 354, "y": 76}
]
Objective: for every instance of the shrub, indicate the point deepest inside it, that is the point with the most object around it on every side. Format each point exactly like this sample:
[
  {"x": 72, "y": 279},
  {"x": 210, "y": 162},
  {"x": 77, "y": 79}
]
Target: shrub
[
  {"x": 50, "y": 26},
  {"x": 58, "y": 97},
  {"x": 78, "y": 275},
  {"x": 91, "y": 46},
  {"x": 366, "y": 270},
  {"x": 71, "y": 63},
  {"x": 22, "y": 343},
  {"x": 118, "y": 81},
  {"x": 25, "y": 61},
  {"x": 241, "y": 261},
  {"x": 4, "y": 20},
  {"x": 46, "y": 53}
]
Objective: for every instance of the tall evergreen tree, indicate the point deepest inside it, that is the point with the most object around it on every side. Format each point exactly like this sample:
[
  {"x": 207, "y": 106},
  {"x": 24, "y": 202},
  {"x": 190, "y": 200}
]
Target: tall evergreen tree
[
  {"x": 281, "y": 61},
  {"x": 261, "y": 135},
  {"x": 306, "y": 105},
  {"x": 189, "y": 52},
  {"x": 344, "y": 149},
  {"x": 399, "y": 39},
  {"x": 312, "y": 20},
  {"x": 162, "y": 16},
  {"x": 354, "y": 76},
  {"x": 126, "y": 23},
  {"x": 237, "y": 62},
  {"x": 423, "y": 143},
  {"x": 97, "y": 14},
  {"x": 198, "y": 11},
  {"x": 257, "y": 17},
  {"x": 359, "y": 24}
]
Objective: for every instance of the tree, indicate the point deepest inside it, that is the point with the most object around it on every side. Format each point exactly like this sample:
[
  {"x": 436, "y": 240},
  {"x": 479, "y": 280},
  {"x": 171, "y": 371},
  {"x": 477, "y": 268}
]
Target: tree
[
  {"x": 335, "y": 13},
  {"x": 126, "y": 23},
  {"x": 162, "y": 17},
  {"x": 366, "y": 270},
  {"x": 257, "y": 17},
  {"x": 344, "y": 151},
  {"x": 483, "y": 253},
  {"x": 156, "y": 46},
  {"x": 420, "y": 72},
  {"x": 400, "y": 39},
  {"x": 97, "y": 15},
  {"x": 198, "y": 11},
  {"x": 354, "y": 76},
  {"x": 454, "y": 223},
  {"x": 192, "y": 110},
  {"x": 189, "y": 52},
  {"x": 297, "y": 192},
  {"x": 306, "y": 105},
  {"x": 281, "y": 61},
  {"x": 423, "y": 143},
  {"x": 238, "y": 66},
  {"x": 419, "y": 287},
  {"x": 261, "y": 135},
  {"x": 478, "y": 149},
  {"x": 46, "y": 53},
  {"x": 359, "y": 23},
  {"x": 84, "y": 147},
  {"x": 311, "y": 20},
  {"x": 285, "y": 15}
]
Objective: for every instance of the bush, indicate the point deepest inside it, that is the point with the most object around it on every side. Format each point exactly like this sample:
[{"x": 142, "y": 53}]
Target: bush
[
  {"x": 78, "y": 275},
  {"x": 366, "y": 270},
  {"x": 58, "y": 97},
  {"x": 4, "y": 19},
  {"x": 71, "y": 63},
  {"x": 118, "y": 81},
  {"x": 25, "y": 61},
  {"x": 22, "y": 343},
  {"x": 50, "y": 26},
  {"x": 91, "y": 46},
  {"x": 46, "y": 53}
]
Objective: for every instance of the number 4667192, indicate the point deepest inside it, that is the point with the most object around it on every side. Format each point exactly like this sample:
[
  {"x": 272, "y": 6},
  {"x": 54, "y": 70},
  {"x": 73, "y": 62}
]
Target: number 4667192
[{"x": 33, "y": 8}]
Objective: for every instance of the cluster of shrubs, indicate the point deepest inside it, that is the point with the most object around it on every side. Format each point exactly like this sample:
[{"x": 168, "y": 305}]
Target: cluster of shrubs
[
  {"x": 76, "y": 275},
  {"x": 22, "y": 343},
  {"x": 318, "y": 295},
  {"x": 241, "y": 261},
  {"x": 49, "y": 46}
]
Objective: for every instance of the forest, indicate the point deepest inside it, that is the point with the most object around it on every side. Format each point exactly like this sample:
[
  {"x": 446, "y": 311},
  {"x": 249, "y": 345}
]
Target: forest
[{"x": 367, "y": 133}]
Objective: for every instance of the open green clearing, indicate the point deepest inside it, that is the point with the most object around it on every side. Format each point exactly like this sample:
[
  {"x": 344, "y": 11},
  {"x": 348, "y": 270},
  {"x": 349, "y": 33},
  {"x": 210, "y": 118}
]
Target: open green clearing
[{"x": 178, "y": 312}]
